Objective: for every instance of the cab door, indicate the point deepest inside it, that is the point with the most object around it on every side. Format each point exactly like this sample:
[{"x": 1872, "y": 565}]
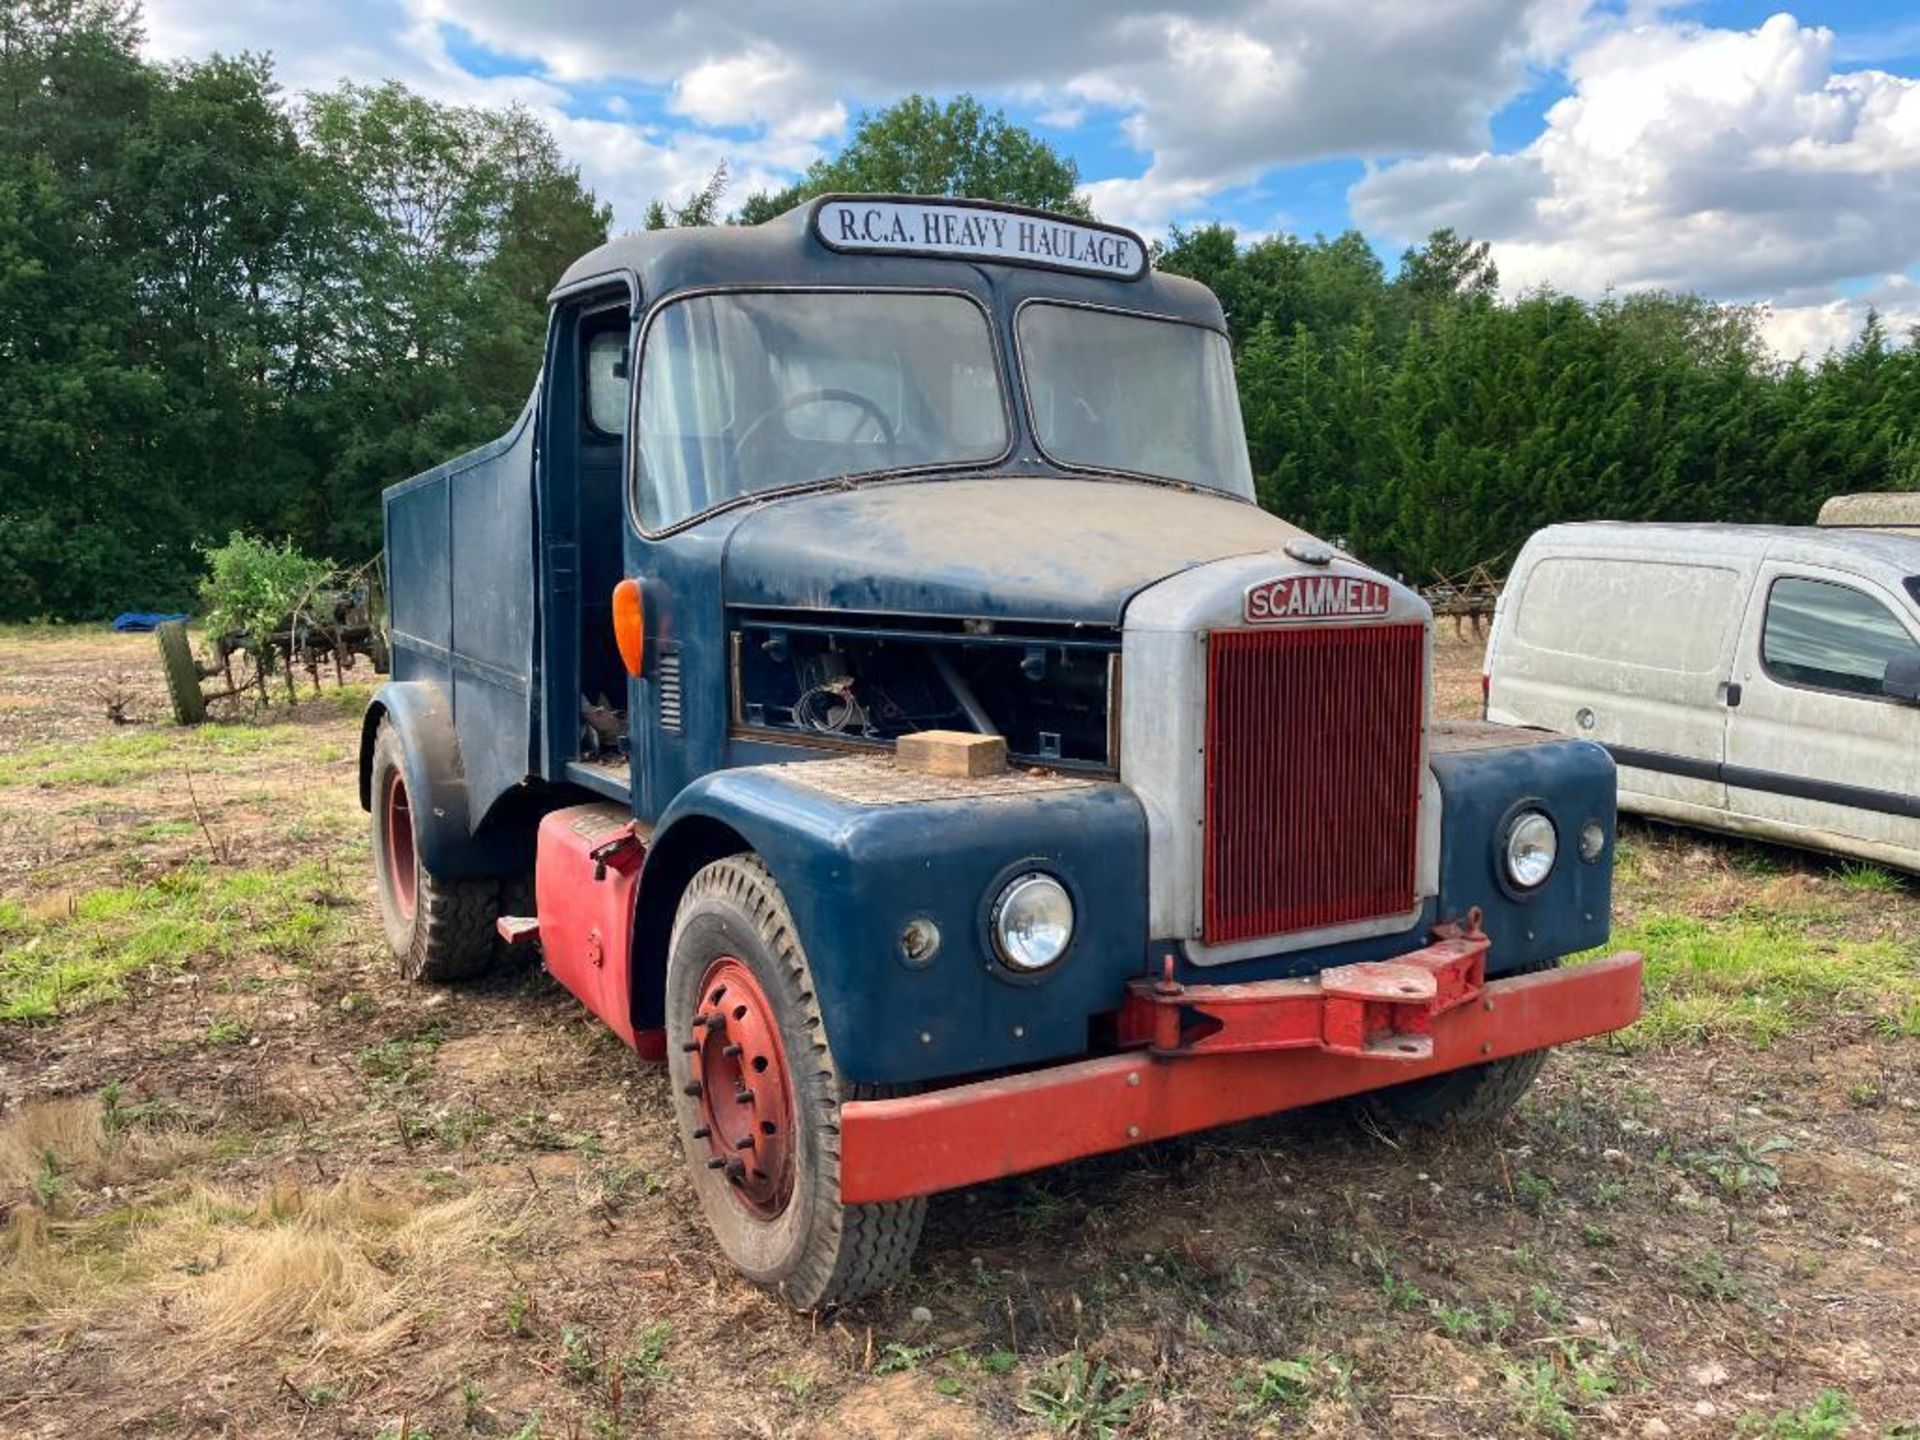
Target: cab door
[{"x": 1813, "y": 743}]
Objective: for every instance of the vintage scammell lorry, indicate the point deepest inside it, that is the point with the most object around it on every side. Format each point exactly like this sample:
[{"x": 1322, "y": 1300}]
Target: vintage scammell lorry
[{"x": 864, "y": 674}]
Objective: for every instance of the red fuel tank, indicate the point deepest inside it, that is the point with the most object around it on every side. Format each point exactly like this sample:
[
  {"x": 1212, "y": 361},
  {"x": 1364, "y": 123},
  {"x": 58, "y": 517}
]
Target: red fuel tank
[{"x": 585, "y": 877}]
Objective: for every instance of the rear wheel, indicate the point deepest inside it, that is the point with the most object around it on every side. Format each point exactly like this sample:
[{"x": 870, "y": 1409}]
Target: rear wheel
[
  {"x": 758, "y": 1095},
  {"x": 183, "y": 676},
  {"x": 437, "y": 929},
  {"x": 1474, "y": 1095}
]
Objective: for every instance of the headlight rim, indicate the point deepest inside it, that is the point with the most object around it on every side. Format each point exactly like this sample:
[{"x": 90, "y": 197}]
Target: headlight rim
[
  {"x": 1503, "y": 835},
  {"x": 990, "y": 897}
]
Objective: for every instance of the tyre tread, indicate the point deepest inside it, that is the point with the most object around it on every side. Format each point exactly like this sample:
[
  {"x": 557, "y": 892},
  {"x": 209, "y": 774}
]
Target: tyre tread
[{"x": 872, "y": 1246}]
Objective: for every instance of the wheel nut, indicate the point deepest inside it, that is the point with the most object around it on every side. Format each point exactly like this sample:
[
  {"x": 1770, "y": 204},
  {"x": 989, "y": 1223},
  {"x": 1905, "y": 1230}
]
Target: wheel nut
[
  {"x": 732, "y": 1052},
  {"x": 716, "y": 1163},
  {"x": 745, "y": 1142},
  {"x": 692, "y": 1087},
  {"x": 701, "y": 1132}
]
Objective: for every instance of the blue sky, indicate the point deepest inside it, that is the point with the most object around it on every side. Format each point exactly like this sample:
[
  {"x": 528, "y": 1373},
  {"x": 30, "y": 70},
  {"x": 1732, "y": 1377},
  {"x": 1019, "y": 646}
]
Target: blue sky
[{"x": 1754, "y": 154}]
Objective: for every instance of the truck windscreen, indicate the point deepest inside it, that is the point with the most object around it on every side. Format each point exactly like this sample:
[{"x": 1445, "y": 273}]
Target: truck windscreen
[
  {"x": 747, "y": 392},
  {"x": 1132, "y": 393}
]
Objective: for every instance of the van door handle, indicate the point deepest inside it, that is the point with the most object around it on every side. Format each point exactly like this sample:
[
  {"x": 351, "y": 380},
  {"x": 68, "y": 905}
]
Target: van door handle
[{"x": 1730, "y": 694}]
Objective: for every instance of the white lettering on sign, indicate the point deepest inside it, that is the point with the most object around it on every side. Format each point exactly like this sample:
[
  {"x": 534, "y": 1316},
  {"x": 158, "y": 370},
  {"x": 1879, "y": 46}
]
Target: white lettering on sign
[
  {"x": 1314, "y": 597},
  {"x": 971, "y": 232}
]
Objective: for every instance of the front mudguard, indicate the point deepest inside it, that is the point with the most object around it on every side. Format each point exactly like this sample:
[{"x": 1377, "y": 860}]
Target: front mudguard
[
  {"x": 855, "y": 874},
  {"x": 437, "y": 784}
]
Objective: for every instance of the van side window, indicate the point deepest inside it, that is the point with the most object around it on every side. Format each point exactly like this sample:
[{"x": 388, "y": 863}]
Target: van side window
[{"x": 1830, "y": 637}]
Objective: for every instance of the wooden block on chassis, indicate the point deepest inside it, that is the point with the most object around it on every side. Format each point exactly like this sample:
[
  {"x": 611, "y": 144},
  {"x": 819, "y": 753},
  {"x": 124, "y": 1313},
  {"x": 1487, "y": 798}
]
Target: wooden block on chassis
[{"x": 953, "y": 752}]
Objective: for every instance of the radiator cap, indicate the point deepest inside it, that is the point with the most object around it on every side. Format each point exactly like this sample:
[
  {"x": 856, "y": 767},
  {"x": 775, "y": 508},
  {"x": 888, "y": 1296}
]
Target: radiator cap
[{"x": 1309, "y": 551}]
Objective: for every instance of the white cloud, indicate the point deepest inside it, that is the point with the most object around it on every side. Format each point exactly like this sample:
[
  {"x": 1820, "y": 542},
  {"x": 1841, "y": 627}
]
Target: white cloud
[{"x": 1734, "y": 162}]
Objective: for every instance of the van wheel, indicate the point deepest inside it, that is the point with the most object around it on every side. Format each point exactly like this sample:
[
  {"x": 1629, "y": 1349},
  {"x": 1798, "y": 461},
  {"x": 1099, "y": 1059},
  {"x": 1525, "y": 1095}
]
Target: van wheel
[
  {"x": 437, "y": 929},
  {"x": 1475, "y": 1095},
  {"x": 757, "y": 1093}
]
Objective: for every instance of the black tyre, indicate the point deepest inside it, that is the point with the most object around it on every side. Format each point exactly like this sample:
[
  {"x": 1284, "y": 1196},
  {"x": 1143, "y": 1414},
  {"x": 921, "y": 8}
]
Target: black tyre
[
  {"x": 758, "y": 1099},
  {"x": 183, "y": 676},
  {"x": 1475, "y": 1095},
  {"x": 437, "y": 929}
]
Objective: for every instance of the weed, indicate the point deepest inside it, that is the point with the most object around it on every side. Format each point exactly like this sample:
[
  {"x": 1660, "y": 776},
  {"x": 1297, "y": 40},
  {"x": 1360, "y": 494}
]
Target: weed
[
  {"x": 1546, "y": 1305},
  {"x": 1710, "y": 1279},
  {"x": 1537, "y": 1194},
  {"x": 576, "y": 1354},
  {"x": 1739, "y": 1168},
  {"x": 1866, "y": 1096},
  {"x": 999, "y": 1362},
  {"x": 1081, "y": 1399},
  {"x": 519, "y": 1314},
  {"x": 228, "y": 1030},
  {"x": 321, "y": 1396},
  {"x": 1282, "y": 1385},
  {"x": 471, "y": 1409},
  {"x": 46, "y": 1179},
  {"x": 1830, "y": 1415},
  {"x": 1535, "y": 1388},
  {"x": 1458, "y": 1321},
  {"x": 797, "y": 1385},
  {"x": 646, "y": 1362},
  {"x": 1607, "y": 1194},
  {"x": 1866, "y": 879},
  {"x": 897, "y": 1358}
]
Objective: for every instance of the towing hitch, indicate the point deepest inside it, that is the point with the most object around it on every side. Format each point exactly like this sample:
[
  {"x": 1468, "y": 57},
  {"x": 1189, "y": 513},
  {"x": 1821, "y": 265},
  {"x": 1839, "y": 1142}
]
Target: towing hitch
[{"x": 1377, "y": 1010}]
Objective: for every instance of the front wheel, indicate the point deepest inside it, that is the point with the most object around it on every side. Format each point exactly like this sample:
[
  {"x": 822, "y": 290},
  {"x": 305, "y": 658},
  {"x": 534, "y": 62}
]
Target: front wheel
[
  {"x": 437, "y": 929},
  {"x": 758, "y": 1094},
  {"x": 1472, "y": 1095}
]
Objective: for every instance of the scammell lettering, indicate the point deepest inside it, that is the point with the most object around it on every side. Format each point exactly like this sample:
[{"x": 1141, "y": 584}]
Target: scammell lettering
[
  {"x": 1315, "y": 597},
  {"x": 1073, "y": 798}
]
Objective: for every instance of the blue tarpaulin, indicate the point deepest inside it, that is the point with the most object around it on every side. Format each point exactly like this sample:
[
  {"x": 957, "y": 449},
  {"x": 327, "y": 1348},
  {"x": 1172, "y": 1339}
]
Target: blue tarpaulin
[{"x": 142, "y": 620}]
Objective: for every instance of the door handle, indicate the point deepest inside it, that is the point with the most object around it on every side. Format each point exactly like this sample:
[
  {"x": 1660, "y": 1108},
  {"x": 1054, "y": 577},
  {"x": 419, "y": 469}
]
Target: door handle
[{"x": 1730, "y": 694}]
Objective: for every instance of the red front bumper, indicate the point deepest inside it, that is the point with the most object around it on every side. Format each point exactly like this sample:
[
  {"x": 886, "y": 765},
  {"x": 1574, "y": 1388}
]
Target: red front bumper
[{"x": 1230, "y": 1052}]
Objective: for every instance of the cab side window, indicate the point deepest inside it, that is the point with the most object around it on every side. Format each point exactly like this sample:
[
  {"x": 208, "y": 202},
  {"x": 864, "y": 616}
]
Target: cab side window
[
  {"x": 1830, "y": 637},
  {"x": 607, "y": 381}
]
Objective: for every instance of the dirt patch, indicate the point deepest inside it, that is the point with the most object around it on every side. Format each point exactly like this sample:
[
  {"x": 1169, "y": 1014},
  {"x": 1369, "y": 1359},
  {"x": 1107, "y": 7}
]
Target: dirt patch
[{"x": 358, "y": 1205}]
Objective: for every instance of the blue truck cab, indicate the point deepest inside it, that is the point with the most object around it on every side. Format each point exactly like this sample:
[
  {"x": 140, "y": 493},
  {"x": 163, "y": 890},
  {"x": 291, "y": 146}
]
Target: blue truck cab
[{"x": 863, "y": 672}]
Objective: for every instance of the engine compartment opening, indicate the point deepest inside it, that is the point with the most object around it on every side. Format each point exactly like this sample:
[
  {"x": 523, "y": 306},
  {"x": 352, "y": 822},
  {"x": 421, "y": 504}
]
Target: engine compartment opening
[{"x": 1050, "y": 692}]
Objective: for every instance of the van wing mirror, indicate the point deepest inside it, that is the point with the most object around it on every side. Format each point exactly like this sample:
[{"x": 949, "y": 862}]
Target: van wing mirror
[{"x": 1902, "y": 679}]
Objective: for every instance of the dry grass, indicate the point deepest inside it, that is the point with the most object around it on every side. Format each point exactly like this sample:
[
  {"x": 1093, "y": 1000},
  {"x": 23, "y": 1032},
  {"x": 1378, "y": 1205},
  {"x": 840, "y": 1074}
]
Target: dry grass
[
  {"x": 47, "y": 1146},
  {"x": 341, "y": 1271}
]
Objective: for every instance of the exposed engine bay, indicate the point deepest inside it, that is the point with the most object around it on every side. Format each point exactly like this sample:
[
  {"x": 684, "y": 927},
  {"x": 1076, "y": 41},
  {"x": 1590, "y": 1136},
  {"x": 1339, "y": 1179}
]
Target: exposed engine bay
[{"x": 1051, "y": 691}]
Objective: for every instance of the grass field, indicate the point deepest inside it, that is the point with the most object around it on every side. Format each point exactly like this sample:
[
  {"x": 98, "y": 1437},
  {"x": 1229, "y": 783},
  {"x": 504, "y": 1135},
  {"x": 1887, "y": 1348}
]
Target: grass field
[{"x": 253, "y": 1184}]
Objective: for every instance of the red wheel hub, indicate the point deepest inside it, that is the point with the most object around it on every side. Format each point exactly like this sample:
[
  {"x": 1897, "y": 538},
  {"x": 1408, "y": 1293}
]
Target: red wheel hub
[
  {"x": 397, "y": 837},
  {"x": 741, "y": 1088}
]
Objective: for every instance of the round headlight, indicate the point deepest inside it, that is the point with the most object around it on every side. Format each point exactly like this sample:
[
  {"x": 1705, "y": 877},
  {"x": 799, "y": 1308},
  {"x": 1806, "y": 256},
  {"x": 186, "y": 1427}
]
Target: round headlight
[
  {"x": 1032, "y": 922},
  {"x": 1531, "y": 848},
  {"x": 1593, "y": 841}
]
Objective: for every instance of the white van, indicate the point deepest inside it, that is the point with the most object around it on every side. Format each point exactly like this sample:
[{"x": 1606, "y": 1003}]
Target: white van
[{"x": 1758, "y": 679}]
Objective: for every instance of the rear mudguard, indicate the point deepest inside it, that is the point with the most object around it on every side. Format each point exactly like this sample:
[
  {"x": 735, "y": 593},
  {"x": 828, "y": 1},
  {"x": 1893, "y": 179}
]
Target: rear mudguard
[
  {"x": 437, "y": 784},
  {"x": 855, "y": 874}
]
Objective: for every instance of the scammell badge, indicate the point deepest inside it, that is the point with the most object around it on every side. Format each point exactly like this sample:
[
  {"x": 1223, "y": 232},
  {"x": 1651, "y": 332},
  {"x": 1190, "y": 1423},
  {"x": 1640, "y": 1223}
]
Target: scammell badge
[{"x": 1314, "y": 597}]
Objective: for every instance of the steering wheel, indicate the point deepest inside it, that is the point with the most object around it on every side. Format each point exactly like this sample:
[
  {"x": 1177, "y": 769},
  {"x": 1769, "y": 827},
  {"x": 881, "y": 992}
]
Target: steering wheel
[{"x": 869, "y": 411}]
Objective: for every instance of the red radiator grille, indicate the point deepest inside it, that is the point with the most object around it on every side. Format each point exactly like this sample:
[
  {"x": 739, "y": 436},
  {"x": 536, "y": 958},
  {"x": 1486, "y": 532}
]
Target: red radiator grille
[{"x": 1313, "y": 777}]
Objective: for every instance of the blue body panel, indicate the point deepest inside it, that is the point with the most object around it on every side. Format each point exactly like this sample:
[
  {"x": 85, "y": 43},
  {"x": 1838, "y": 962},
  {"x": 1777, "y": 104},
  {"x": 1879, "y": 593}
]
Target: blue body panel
[
  {"x": 460, "y": 596},
  {"x": 1573, "y": 782},
  {"x": 855, "y": 874}
]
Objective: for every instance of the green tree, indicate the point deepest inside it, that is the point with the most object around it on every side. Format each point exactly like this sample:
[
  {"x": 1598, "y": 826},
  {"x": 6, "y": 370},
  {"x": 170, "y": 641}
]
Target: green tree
[{"x": 918, "y": 146}]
